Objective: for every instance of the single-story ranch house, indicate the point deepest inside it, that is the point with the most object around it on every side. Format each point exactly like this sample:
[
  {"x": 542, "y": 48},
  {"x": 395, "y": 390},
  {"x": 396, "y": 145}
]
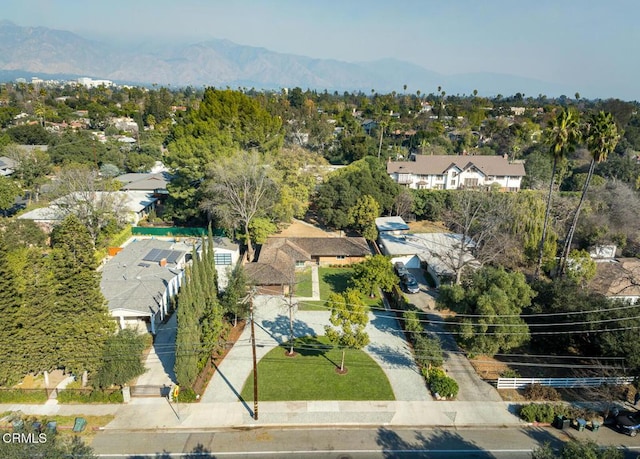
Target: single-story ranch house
[
  {"x": 444, "y": 172},
  {"x": 274, "y": 271}
]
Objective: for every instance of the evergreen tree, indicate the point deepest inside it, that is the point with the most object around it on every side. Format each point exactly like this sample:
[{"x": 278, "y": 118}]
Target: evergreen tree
[
  {"x": 9, "y": 304},
  {"x": 187, "y": 335},
  {"x": 37, "y": 315},
  {"x": 121, "y": 360},
  {"x": 80, "y": 318},
  {"x": 234, "y": 294}
]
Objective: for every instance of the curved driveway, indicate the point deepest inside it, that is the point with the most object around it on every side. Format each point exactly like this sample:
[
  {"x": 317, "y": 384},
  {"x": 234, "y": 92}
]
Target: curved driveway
[{"x": 388, "y": 348}]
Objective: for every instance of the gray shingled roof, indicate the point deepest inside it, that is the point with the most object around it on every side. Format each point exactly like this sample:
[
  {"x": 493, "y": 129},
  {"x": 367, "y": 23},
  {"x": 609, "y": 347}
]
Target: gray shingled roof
[
  {"x": 439, "y": 164},
  {"x": 130, "y": 283}
]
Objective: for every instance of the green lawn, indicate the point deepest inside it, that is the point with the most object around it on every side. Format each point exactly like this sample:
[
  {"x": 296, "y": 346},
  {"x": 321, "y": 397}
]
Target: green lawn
[
  {"x": 335, "y": 280},
  {"x": 303, "y": 283},
  {"x": 311, "y": 375}
]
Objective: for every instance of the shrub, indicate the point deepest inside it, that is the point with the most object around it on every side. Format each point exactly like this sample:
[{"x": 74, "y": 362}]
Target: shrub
[
  {"x": 90, "y": 396},
  {"x": 541, "y": 412},
  {"x": 539, "y": 392},
  {"x": 187, "y": 395},
  {"x": 443, "y": 385},
  {"x": 510, "y": 373},
  {"x": 412, "y": 323},
  {"x": 428, "y": 351},
  {"x": 23, "y": 396}
]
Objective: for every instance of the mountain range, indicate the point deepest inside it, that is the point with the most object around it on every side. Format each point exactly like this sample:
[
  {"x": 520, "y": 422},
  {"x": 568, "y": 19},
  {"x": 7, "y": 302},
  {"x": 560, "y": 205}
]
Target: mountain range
[{"x": 47, "y": 53}]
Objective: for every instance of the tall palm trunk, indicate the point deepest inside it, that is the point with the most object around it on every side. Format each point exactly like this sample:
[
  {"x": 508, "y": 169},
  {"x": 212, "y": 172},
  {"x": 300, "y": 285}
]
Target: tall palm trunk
[
  {"x": 546, "y": 219},
  {"x": 568, "y": 240}
]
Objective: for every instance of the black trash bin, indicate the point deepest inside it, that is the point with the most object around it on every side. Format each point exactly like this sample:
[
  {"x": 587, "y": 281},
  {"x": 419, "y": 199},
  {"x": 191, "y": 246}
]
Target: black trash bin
[{"x": 562, "y": 423}]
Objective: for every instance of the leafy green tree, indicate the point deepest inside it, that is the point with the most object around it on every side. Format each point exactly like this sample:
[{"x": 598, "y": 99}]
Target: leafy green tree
[
  {"x": 29, "y": 134},
  {"x": 495, "y": 299},
  {"x": 372, "y": 274},
  {"x": 224, "y": 122},
  {"x": 80, "y": 323},
  {"x": 234, "y": 295},
  {"x": 238, "y": 190},
  {"x": 350, "y": 317},
  {"x": 563, "y": 134},
  {"x": 580, "y": 266},
  {"x": 260, "y": 229},
  {"x": 9, "y": 191},
  {"x": 342, "y": 189},
  {"x": 362, "y": 216},
  {"x": 121, "y": 359},
  {"x": 602, "y": 138},
  {"x": 32, "y": 169}
]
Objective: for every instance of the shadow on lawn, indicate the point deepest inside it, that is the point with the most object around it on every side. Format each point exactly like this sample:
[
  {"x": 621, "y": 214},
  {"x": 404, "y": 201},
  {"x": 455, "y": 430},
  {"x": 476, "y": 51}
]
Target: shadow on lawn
[
  {"x": 338, "y": 281},
  {"x": 310, "y": 346}
]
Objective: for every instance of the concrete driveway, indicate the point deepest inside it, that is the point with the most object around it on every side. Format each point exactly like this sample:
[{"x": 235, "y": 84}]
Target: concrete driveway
[
  {"x": 456, "y": 364},
  {"x": 388, "y": 348}
]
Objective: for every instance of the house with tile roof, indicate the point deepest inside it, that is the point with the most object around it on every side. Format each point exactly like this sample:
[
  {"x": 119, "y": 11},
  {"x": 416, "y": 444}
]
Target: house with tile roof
[
  {"x": 445, "y": 172},
  {"x": 279, "y": 257}
]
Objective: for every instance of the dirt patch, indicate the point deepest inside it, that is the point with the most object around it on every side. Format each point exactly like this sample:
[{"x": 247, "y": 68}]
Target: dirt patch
[
  {"x": 32, "y": 381},
  {"x": 488, "y": 367},
  {"x": 426, "y": 226},
  {"x": 299, "y": 228}
]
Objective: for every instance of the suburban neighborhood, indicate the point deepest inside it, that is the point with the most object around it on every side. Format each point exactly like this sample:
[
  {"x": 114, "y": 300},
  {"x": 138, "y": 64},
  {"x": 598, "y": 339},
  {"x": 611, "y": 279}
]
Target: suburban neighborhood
[{"x": 192, "y": 271}]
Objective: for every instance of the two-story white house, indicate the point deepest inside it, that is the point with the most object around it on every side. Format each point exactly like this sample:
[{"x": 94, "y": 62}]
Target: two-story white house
[{"x": 444, "y": 172}]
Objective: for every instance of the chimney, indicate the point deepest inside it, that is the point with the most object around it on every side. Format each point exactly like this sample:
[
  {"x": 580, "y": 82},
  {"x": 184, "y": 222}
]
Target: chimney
[{"x": 163, "y": 262}]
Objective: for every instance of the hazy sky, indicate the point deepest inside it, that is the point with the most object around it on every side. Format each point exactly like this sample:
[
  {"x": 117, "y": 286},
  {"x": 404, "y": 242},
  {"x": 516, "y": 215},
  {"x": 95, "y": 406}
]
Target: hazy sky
[{"x": 587, "y": 44}]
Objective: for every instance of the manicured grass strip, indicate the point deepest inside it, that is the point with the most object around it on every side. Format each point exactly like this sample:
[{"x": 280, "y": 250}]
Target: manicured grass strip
[
  {"x": 333, "y": 280},
  {"x": 303, "y": 283},
  {"x": 311, "y": 375}
]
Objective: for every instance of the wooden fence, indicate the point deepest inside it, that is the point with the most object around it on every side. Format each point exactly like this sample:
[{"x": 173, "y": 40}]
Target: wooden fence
[{"x": 521, "y": 383}]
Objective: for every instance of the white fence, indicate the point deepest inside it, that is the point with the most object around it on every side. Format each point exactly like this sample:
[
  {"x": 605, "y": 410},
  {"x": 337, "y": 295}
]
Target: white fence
[{"x": 521, "y": 383}]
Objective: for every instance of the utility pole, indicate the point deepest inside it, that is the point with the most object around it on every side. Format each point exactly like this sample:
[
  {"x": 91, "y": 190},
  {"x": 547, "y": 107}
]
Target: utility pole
[
  {"x": 380, "y": 145},
  {"x": 255, "y": 363}
]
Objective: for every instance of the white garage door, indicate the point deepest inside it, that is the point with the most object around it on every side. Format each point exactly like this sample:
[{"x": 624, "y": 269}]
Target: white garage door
[{"x": 411, "y": 261}]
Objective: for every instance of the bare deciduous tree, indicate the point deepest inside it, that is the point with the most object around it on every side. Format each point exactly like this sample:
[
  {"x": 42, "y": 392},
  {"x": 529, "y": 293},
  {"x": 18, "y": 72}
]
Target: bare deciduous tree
[
  {"x": 238, "y": 189},
  {"x": 480, "y": 220},
  {"x": 94, "y": 201}
]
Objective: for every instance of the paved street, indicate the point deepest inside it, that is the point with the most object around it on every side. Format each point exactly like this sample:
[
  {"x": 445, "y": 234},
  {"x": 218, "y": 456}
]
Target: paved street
[{"x": 374, "y": 442}]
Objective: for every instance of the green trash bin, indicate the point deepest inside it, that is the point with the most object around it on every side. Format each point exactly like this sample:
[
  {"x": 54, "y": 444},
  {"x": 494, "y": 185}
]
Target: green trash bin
[
  {"x": 595, "y": 425},
  {"x": 581, "y": 424}
]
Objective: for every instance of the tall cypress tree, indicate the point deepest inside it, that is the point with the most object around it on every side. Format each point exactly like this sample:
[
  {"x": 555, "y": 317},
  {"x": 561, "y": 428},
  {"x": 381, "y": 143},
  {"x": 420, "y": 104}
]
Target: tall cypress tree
[
  {"x": 81, "y": 322},
  {"x": 9, "y": 305},
  {"x": 187, "y": 334}
]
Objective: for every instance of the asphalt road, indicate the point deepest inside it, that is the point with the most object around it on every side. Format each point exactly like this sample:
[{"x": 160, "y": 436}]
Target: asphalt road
[{"x": 347, "y": 443}]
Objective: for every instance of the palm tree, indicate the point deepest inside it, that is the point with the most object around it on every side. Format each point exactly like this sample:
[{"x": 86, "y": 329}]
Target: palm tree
[
  {"x": 602, "y": 138},
  {"x": 563, "y": 134}
]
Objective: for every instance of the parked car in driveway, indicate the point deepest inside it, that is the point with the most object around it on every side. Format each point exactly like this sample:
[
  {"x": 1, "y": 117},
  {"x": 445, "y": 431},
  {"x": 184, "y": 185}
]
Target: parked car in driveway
[
  {"x": 410, "y": 284},
  {"x": 628, "y": 423},
  {"x": 401, "y": 269}
]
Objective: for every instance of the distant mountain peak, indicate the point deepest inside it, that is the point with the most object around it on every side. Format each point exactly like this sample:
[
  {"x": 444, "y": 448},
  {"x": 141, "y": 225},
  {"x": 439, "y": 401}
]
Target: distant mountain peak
[{"x": 221, "y": 62}]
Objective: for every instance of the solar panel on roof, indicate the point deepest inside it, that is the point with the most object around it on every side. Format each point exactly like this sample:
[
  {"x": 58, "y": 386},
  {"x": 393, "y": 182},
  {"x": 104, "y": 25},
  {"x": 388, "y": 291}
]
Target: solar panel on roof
[{"x": 155, "y": 255}]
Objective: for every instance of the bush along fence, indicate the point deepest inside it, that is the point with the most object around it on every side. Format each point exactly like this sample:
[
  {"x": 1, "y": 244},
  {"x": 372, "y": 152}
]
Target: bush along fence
[{"x": 427, "y": 349}]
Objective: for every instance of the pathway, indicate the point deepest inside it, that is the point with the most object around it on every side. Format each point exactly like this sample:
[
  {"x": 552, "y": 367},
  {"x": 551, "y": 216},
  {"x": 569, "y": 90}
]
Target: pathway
[{"x": 162, "y": 357}]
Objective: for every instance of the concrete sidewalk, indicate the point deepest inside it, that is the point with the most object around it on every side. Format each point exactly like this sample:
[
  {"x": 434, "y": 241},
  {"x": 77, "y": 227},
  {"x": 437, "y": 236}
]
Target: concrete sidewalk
[{"x": 159, "y": 414}]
